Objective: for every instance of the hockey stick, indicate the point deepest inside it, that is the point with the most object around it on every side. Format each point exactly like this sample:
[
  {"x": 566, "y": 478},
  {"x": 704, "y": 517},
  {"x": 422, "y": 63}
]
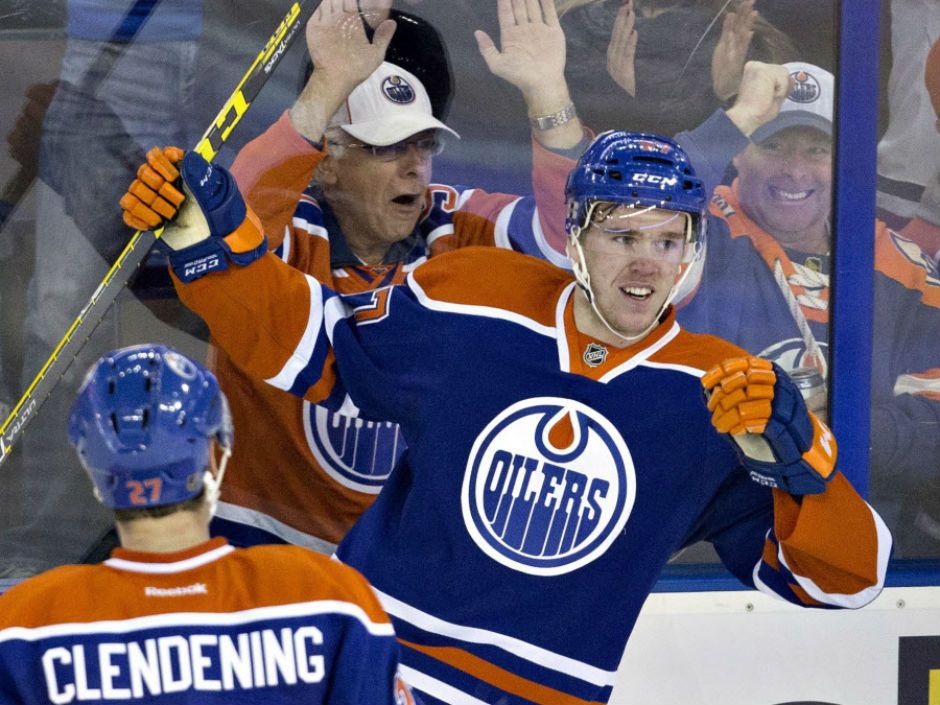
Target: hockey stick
[{"x": 140, "y": 244}]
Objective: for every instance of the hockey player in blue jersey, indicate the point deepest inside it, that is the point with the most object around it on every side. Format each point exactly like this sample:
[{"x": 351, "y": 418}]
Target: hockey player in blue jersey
[
  {"x": 173, "y": 616},
  {"x": 560, "y": 446}
]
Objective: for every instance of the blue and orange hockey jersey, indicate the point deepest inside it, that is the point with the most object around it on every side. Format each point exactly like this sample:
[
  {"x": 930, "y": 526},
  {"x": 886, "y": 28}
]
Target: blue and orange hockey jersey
[
  {"x": 213, "y": 624},
  {"x": 548, "y": 477},
  {"x": 329, "y": 466}
]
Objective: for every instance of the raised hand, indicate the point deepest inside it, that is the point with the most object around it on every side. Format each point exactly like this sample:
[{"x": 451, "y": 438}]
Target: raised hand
[
  {"x": 338, "y": 45},
  {"x": 375, "y": 11},
  {"x": 762, "y": 91},
  {"x": 622, "y": 49},
  {"x": 731, "y": 49},
  {"x": 532, "y": 53}
]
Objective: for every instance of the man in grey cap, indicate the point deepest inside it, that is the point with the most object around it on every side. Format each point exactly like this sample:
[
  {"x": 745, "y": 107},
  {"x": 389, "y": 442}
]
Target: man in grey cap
[{"x": 765, "y": 286}]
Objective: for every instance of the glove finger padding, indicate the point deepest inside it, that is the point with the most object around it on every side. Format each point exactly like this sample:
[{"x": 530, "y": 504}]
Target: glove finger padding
[
  {"x": 754, "y": 396},
  {"x": 741, "y": 390},
  {"x": 152, "y": 199}
]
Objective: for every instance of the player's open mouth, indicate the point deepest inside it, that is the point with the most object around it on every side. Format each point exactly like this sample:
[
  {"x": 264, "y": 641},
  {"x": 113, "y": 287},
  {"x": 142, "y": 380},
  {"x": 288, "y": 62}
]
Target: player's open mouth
[
  {"x": 790, "y": 196},
  {"x": 638, "y": 293},
  {"x": 406, "y": 199}
]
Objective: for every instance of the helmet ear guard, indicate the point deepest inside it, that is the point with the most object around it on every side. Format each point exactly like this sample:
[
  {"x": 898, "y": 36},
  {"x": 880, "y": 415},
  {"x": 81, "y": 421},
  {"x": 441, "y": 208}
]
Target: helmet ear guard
[{"x": 144, "y": 424}]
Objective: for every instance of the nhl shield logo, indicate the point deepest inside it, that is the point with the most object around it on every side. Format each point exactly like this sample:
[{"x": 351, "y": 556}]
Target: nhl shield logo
[
  {"x": 549, "y": 486},
  {"x": 595, "y": 355},
  {"x": 398, "y": 90}
]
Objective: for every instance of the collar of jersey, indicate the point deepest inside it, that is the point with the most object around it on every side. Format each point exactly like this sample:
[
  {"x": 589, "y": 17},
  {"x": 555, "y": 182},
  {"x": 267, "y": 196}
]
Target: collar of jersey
[
  {"x": 573, "y": 342},
  {"x": 178, "y": 561}
]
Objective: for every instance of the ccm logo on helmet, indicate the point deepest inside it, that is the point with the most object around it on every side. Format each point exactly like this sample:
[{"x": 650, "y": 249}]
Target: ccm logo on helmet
[
  {"x": 654, "y": 179},
  {"x": 549, "y": 485}
]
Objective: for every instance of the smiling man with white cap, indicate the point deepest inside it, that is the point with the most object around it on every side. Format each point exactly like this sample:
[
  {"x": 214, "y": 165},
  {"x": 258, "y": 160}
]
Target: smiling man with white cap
[
  {"x": 766, "y": 287},
  {"x": 342, "y": 186}
]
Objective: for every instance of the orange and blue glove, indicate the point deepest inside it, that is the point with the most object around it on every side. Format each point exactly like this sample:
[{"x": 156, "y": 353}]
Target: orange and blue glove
[
  {"x": 780, "y": 443},
  {"x": 207, "y": 222}
]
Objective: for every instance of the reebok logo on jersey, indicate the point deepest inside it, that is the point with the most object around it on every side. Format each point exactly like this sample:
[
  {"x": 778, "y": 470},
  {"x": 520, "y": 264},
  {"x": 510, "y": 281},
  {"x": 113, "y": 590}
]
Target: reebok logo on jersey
[
  {"x": 549, "y": 485},
  {"x": 194, "y": 589}
]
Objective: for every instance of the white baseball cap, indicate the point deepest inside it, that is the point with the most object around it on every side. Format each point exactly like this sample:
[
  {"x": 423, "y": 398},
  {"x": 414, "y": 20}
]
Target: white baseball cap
[
  {"x": 389, "y": 106},
  {"x": 809, "y": 103}
]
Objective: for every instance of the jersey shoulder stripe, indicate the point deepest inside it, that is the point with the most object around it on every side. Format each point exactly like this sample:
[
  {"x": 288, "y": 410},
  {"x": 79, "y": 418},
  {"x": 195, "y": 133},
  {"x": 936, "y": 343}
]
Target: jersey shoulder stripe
[{"x": 492, "y": 282}]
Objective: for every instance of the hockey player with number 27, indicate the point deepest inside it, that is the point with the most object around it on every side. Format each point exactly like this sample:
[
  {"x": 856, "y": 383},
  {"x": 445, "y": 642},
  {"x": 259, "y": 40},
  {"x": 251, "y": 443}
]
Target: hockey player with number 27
[
  {"x": 173, "y": 616},
  {"x": 567, "y": 438}
]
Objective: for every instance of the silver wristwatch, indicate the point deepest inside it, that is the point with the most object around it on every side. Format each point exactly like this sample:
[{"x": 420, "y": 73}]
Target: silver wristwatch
[{"x": 547, "y": 122}]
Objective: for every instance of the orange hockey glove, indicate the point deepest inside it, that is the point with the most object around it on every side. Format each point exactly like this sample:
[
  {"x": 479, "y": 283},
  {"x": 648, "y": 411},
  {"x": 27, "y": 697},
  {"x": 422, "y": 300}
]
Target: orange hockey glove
[
  {"x": 779, "y": 442},
  {"x": 152, "y": 199}
]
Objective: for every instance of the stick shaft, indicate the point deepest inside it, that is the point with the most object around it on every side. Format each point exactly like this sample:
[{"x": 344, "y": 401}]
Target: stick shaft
[{"x": 140, "y": 244}]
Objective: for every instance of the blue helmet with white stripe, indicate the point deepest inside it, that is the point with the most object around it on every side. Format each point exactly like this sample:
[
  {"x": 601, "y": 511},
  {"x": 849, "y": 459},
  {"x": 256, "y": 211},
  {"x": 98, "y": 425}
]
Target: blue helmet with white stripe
[
  {"x": 144, "y": 424},
  {"x": 634, "y": 168}
]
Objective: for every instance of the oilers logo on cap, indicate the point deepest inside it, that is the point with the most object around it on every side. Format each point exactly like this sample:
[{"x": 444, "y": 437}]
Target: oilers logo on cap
[
  {"x": 549, "y": 485},
  {"x": 805, "y": 87},
  {"x": 398, "y": 90}
]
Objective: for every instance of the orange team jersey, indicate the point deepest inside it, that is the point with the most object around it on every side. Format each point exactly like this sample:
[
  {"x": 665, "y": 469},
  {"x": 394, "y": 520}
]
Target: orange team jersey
[
  {"x": 301, "y": 473},
  {"x": 549, "y": 476},
  {"x": 272, "y": 624}
]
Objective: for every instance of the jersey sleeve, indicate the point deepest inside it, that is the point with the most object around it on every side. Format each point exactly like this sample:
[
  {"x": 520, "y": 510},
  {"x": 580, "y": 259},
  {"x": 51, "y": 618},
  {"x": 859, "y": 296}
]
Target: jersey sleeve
[
  {"x": 272, "y": 172},
  {"x": 828, "y": 550},
  {"x": 533, "y": 224},
  {"x": 281, "y": 325}
]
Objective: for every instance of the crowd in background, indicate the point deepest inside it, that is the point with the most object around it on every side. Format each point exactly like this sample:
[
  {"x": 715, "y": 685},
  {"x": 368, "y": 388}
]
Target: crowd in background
[{"x": 673, "y": 67}]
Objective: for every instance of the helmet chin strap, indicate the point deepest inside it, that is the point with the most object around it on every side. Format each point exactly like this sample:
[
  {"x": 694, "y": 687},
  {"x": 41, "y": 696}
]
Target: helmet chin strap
[
  {"x": 583, "y": 278},
  {"x": 213, "y": 483}
]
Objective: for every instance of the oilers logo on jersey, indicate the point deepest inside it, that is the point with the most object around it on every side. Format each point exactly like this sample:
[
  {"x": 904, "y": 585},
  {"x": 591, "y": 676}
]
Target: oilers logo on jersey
[
  {"x": 356, "y": 453},
  {"x": 549, "y": 485}
]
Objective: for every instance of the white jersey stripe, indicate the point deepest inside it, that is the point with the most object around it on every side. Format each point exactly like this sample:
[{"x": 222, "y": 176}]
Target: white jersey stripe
[
  {"x": 501, "y": 229},
  {"x": 553, "y": 256},
  {"x": 302, "y": 354},
  {"x": 311, "y": 228},
  {"x": 177, "y": 620},
  {"x": 270, "y": 525},
  {"x": 166, "y": 568},
  {"x": 517, "y": 647},
  {"x": 473, "y": 310},
  {"x": 858, "y": 599},
  {"x": 437, "y": 689}
]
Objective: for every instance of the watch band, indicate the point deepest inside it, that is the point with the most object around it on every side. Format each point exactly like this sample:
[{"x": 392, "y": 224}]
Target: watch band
[{"x": 547, "y": 122}]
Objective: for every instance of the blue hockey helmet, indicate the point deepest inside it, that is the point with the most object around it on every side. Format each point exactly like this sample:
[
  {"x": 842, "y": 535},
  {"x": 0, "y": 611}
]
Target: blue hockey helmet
[
  {"x": 143, "y": 426},
  {"x": 634, "y": 168}
]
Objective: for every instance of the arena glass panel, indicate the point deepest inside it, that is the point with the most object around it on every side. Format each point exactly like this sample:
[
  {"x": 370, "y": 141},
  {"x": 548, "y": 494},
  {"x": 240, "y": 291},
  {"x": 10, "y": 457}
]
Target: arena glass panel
[{"x": 81, "y": 142}]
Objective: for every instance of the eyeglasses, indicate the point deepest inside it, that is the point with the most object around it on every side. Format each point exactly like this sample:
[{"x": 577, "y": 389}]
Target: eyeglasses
[{"x": 426, "y": 146}]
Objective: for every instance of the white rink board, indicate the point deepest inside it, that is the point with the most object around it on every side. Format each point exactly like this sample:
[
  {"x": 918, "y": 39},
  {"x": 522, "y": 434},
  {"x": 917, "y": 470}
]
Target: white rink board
[{"x": 745, "y": 648}]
